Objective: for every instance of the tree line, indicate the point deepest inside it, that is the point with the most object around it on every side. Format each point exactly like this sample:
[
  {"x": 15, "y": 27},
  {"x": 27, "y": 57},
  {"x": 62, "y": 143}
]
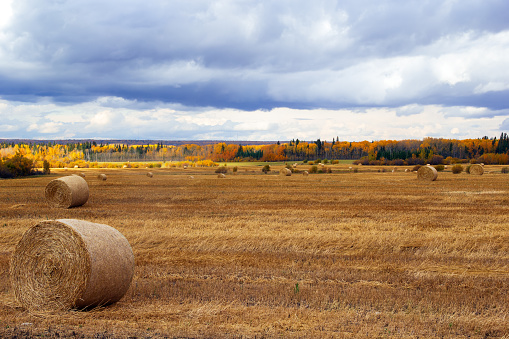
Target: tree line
[{"x": 383, "y": 152}]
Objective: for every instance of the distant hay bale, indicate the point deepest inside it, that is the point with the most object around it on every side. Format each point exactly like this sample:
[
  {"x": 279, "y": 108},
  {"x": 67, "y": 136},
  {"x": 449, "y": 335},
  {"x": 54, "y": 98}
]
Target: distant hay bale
[
  {"x": 427, "y": 173},
  {"x": 102, "y": 177},
  {"x": 66, "y": 192},
  {"x": 82, "y": 174},
  {"x": 294, "y": 165},
  {"x": 76, "y": 166},
  {"x": 221, "y": 175},
  {"x": 150, "y": 174},
  {"x": 285, "y": 172},
  {"x": 66, "y": 263},
  {"x": 191, "y": 177},
  {"x": 305, "y": 173},
  {"x": 406, "y": 170},
  {"x": 476, "y": 169}
]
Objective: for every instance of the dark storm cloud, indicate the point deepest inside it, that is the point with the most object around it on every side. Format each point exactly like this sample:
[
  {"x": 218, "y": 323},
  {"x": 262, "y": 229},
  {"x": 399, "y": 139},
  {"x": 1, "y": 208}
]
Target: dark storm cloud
[{"x": 78, "y": 50}]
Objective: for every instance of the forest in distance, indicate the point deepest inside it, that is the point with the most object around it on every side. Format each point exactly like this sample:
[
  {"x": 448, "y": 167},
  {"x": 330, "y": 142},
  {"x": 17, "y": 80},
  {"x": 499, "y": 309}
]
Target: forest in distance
[{"x": 82, "y": 153}]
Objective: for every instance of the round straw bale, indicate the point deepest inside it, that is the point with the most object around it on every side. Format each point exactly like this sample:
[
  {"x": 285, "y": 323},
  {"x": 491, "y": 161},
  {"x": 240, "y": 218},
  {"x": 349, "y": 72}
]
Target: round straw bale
[
  {"x": 285, "y": 172},
  {"x": 82, "y": 174},
  {"x": 69, "y": 191},
  {"x": 305, "y": 173},
  {"x": 427, "y": 173},
  {"x": 67, "y": 263},
  {"x": 150, "y": 174},
  {"x": 476, "y": 169},
  {"x": 221, "y": 175},
  {"x": 102, "y": 177},
  {"x": 191, "y": 177}
]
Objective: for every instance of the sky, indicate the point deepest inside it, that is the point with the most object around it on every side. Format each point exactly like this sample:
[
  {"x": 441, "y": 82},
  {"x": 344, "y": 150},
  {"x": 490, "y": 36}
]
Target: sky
[{"x": 254, "y": 69}]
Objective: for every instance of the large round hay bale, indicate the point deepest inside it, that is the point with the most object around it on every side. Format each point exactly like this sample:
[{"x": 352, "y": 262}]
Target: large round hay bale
[
  {"x": 427, "y": 173},
  {"x": 305, "y": 173},
  {"x": 285, "y": 172},
  {"x": 476, "y": 169},
  {"x": 64, "y": 264},
  {"x": 69, "y": 191},
  {"x": 221, "y": 175},
  {"x": 102, "y": 177},
  {"x": 82, "y": 174},
  {"x": 150, "y": 174}
]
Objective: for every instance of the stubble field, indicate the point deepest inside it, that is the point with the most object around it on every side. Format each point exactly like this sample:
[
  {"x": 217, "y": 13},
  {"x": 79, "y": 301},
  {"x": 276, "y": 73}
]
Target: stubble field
[{"x": 346, "y": 254}]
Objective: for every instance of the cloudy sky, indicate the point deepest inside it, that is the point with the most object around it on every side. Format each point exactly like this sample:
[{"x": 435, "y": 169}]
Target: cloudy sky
[{"x": 254, "y": 69}]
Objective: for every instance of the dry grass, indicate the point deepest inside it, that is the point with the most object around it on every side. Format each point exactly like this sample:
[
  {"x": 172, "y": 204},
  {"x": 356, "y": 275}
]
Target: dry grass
[{"x": 342, "y": 255}]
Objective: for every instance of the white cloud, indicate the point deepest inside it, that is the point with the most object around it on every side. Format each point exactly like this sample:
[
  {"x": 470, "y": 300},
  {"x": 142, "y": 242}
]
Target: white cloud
[
  {"x": 106, "y": 120},
  {"x": 492, "y": 86},
  {"x": 5, "y": 12},
  {"x": 8, "y": 128},
  {"x": 45, "y": 128}
]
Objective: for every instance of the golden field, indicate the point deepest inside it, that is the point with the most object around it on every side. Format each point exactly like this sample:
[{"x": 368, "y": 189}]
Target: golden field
[{"x": 369, "y": 254}]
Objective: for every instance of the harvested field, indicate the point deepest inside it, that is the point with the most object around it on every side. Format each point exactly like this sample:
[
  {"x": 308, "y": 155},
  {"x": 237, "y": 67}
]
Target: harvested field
[{"x": 345, "y": 254}]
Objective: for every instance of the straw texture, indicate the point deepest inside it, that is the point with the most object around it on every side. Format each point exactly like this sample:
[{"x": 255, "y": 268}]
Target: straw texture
[
  {"x": 427, "y": 173},
  {"x": 285, "y": 172},
  {"x": 476, "y": 169},
  {"x": 66, "y": 192},
  {"x": 66, "y": 263}
]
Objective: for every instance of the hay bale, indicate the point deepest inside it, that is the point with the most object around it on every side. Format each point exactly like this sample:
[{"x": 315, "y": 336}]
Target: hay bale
[
  {"x": 305, "y": 173},
  {"x": 191, "y": 177},
  {"x": 82, "y": 174},
  {"x": 66, "y": 192},
  {"x": 476, "y": 169},
  {"x": 285, "y": 172},
  {"x": 150, "y": 174},
  {"x": 427, "y": 173},
  {"x": 66, "y": 263},
  {"x": 221, "y": 175},
  {"x": 102, "y": 177}
]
